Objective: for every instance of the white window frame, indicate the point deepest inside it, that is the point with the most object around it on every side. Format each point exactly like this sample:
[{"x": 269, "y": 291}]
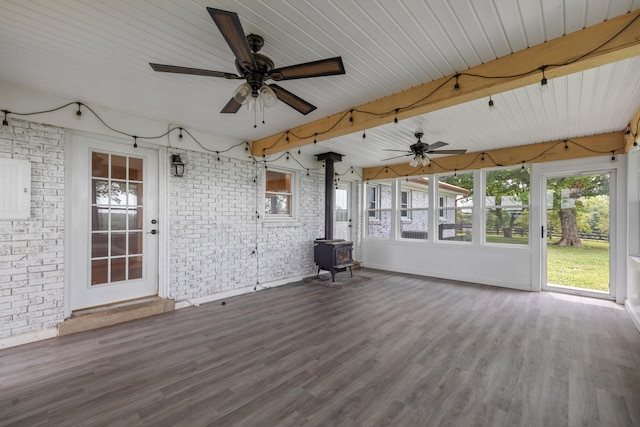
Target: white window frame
[
  {"x": 405, "y": 211},
  {"x": 292, "y": 193},
  {"x": 443, "y": 210},
  {"x": 375, "y": 210}
]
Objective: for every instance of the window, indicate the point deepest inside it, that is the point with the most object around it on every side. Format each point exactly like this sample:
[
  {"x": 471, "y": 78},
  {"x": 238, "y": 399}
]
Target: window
[
  {"x": 414, "y": 208},
  {"x": 372, "y": 200},
  {"x": 379, "y": 209},
  {"x": 405, "y": 203},
  {"x": 278, "y": 194},
  {"x": 507, "y": 206},
  {"x": 455, "y": 194}
]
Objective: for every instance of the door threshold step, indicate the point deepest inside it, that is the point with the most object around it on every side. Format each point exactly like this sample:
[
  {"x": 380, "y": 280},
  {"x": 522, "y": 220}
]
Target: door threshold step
[{"x": 87, "y": 320}]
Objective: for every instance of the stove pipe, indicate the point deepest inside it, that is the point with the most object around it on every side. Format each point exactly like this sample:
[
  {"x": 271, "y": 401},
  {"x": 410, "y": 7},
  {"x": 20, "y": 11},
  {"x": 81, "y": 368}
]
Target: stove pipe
[{"x": 329, "y": 195}]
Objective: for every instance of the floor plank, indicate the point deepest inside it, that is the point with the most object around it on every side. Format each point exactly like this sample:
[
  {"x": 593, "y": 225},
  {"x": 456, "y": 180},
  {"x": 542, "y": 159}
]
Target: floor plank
[{"x": 393, "y": 350}]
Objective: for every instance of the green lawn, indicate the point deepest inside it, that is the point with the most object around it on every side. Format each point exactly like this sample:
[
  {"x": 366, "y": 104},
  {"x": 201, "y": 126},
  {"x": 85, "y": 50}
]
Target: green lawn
[{"x": 586, "y": 267}]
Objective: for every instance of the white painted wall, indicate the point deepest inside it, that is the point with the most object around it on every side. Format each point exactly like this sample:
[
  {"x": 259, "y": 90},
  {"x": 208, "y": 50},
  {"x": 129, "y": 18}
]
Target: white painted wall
[{"x": 633, "y": 232}]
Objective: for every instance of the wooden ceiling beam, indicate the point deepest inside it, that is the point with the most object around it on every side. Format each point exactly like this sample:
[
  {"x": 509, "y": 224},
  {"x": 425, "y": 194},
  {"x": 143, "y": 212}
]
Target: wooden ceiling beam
[
  {"x": 562, "y": 56},
  {"x": 574, "y": 148},
  {"x": 634, "y": 127}
]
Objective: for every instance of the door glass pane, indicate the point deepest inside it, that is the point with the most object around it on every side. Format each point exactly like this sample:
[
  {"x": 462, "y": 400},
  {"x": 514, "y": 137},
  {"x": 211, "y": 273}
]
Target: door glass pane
[
  {"x": 118, "y": 269},
  {"x": 135, "y": 267},
  {"x": 342, "y": 205},
  {"x": 99, "y": 245},
  {"x": 99, "y": 218},
  {"x": 135, "y": 219},
  {"x": 99, "y": 271},
  {"x": 135, "y": 169},
  {"x": 578, "y": 232},
  {"x": 118, "y": 167},
  {"x": 100, "y": 165},
  {"x": 116, "y": 218}
]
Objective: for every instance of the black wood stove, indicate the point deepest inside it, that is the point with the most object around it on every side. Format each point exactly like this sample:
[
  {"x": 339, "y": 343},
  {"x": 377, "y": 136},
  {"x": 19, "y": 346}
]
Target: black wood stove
[
  {"x": 329, "y": 254},
  {"x": 333, "y": 256}
]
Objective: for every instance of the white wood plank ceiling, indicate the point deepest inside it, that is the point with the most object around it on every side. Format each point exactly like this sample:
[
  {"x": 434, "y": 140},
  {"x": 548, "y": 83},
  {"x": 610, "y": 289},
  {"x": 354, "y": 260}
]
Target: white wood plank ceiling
[{"x": 98, "y": 52}]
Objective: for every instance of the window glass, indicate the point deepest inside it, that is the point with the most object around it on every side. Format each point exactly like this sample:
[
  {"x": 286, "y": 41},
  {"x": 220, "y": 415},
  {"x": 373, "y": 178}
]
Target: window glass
[
  {"x": 414, "y": 208},
  {"x": 507, "y": 206},
  {"x": 379, "y": 203},
  {"x": 278, "y": 193},
  {"x": 455, "y": 196}
]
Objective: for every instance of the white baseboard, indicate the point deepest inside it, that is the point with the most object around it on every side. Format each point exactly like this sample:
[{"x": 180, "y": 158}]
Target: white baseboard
[
  {"x": 27, "y": 338},
  {"x": 456, "y": 277},
  {"x": 235, "y": 292},
  {"x": 634, "y": 313}
]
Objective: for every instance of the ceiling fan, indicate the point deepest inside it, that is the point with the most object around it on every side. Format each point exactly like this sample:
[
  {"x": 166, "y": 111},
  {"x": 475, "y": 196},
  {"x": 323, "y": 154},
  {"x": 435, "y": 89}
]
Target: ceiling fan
[
  {"x": 257, "y": 68},
  {"x": 419, "y": 151}
]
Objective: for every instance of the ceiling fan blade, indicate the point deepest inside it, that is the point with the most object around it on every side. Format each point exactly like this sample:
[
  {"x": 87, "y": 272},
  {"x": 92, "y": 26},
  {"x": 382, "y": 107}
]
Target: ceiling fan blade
[
  {"x": 436, "y": 145},
  {"x": 229, "y": 25},
  {"x": 399, "y": 151},
  {"x": 397, "y": 157},
  {"x": 231, "y": 107},
  {"x": 323, "y": 67},
  {"x": 292, "y": 100},
  {"x": 446, "y": 151},
  {"x": 194, "y": 71}
]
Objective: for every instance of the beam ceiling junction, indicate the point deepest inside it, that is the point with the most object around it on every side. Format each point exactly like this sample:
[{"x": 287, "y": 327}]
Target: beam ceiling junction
[{"x": 604, "y": 43}]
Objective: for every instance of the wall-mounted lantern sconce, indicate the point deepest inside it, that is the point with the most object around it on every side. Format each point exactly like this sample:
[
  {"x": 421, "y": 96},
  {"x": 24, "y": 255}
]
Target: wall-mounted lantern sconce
[{"x": 177, "y": 167}]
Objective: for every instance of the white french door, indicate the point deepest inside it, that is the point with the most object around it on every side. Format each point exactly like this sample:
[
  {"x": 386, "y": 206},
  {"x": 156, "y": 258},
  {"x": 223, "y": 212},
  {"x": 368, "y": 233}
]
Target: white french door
[
  {"x": 342, "y": 224},
  {"x": 576, "y": 250},
  {"x": 114, "y": 222}
]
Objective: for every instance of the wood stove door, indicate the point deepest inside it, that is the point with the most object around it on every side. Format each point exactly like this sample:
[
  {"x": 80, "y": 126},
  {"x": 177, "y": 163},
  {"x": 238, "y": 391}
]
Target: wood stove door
[{"x": 342, "y": 214}]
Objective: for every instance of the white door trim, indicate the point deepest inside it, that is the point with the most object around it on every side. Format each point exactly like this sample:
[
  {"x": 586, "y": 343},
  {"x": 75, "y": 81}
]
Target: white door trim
[{"x": 163, "y": 217}]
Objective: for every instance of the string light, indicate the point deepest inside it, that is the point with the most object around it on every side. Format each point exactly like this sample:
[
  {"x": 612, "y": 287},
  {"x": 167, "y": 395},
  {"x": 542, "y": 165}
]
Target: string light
[
  {"x": 613, "y": 155},
  {"x": 5, "y": 122},
  {"x": 482, "y": 158},
  {"x": 492, "y": 106},
  {"x": 135, "y": 142},
  {"x": 543, "y": 82},
  {"x": 395, "y": 119},
  {"x": 79, "y": 112},
  {"x": 218, "y": 155},
  {"x": 180, "y": 134},
  {"x": 315, "y": 138},
  {"x": 566, "y": 146},
  {"x": 456, "y": 87},
  {"x": 364, "y": 135}
]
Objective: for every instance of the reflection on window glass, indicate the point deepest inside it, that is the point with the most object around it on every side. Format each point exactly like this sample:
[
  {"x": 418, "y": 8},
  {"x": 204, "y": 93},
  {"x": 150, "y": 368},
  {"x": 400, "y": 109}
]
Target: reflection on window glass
[
  {"x": 278, "y": 193},
  {"x": 414, "y": 209},
  {"x": 379, "y": 202},
  {"x": 116, "y": 218},
  {"x": 455, "y": 194},
  {"x": 506, "y": 202}
]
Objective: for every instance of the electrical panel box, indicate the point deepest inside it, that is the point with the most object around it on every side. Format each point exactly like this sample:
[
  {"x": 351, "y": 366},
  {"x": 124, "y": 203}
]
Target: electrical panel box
[{"x": 15, "y": 189}]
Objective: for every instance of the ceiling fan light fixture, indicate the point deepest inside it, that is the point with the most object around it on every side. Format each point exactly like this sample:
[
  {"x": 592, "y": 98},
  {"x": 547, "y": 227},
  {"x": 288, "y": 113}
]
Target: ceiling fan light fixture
[
  {"x": 268, "y": 97},
  {"x": 414, "y": 162},
  {"x": 242, "y": 93},
  {"x": 425, "y": 160}
]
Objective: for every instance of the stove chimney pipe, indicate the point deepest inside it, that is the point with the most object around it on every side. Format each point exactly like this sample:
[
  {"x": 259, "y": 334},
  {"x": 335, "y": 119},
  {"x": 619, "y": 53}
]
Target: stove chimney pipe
[{"x": 329, "y": 195}]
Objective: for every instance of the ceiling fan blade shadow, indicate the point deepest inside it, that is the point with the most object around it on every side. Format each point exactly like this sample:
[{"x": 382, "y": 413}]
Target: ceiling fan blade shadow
[
  {"x": 292, "y": 100},
  {"x": 323, "y": 67},
  {"x": 231, "y": 107},
  {"x": 229, "y": 25},
  {"x": 192, "y": 71},
  {"x": 447, "y": 152},
  {"x": 436, "y": 145},
  {"x": 397, "y": 157}
]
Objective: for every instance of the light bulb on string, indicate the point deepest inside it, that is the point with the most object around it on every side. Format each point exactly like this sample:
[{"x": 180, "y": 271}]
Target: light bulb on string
[
  {"x": 78, "y": 115},
  {"x": 5, "y": 122},
  {"x": 543, "y": 82},
  {"x": 492, "y": 106},
  {"x": 456, "y": 87}
]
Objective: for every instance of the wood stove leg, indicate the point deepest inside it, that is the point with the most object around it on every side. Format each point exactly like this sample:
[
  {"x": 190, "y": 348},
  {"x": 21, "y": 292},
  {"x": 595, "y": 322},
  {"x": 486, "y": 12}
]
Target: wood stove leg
[
  {"x": 318, "y": 275},
  {"x": 333, "y": 275},
  {"x": 351, "y": 271}
]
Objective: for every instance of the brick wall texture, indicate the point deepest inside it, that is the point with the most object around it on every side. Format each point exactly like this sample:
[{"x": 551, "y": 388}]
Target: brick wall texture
[
  {"x": 32, "y": 251},
  {"x": 219, "y": 238}
]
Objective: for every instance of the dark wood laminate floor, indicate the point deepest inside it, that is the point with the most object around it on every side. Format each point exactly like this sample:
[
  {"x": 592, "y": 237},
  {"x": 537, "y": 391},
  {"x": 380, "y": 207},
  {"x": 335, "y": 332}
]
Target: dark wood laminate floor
[{"x": 395, "y": 350}]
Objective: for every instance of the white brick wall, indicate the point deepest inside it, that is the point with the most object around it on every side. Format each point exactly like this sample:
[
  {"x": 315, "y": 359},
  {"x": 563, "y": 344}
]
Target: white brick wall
[
  {"x": 32, "y": 251},
  {"x": 214, "y": 231},
  {"x": 212, "y": 221}
]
